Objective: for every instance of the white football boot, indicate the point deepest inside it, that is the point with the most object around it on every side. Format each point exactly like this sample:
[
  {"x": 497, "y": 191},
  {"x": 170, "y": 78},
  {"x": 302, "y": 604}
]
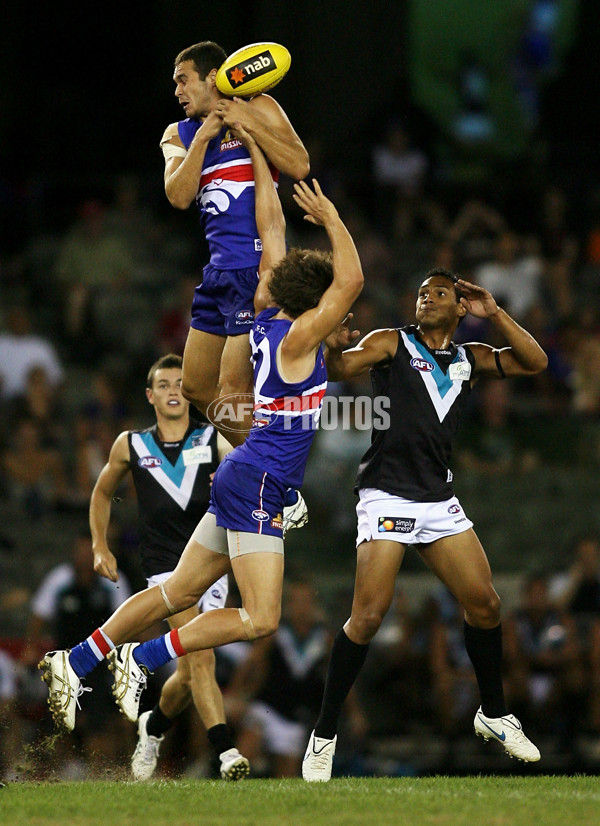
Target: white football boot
[
  {"x": 145, "y": 756},
  {"x": 64, "y": 687},
  {"x": 296, "y": 515},
  {"x": 130, "y": 679},
  {"x": 318, "y": 760},
  {"x": 234, "y": 766},
  {"x": 508, "y": 731}
]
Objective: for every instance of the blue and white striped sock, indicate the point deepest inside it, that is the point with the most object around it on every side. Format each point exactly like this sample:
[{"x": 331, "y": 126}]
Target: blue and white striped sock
[
  {"x": 86, "y": 656},
  {"x": 160, "y": 651}
]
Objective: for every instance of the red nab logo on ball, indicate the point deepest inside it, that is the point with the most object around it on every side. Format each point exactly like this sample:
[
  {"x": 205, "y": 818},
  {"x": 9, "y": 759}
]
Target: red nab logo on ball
[
  {"x": 422, "y": 364},
  {"x": 259, "y": 65}
]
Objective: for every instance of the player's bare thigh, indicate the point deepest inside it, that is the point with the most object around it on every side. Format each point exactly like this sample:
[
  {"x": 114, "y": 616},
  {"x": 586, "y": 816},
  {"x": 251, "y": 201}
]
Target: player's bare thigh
[
  {"x": 377, "y": 564},
  {"x": 236, "y": 370},
  {"x": 202, "y": 367},
  {"x": 196, "y": 571},
  {"x": 462, "y": 565},
  {"x": 259, "y": 577}
]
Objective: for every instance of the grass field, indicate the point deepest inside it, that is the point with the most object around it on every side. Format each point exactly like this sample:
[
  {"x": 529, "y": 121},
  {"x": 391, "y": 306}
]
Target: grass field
[{"x": 442, "y": 801}]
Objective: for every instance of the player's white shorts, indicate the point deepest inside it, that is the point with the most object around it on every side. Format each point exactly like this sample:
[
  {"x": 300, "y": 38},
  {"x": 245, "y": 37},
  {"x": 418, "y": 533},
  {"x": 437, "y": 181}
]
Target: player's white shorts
[
  {"x": 383, "y": 516},
  {"x": 215, "y": 597},
  {"x": 280, "y": 735}
]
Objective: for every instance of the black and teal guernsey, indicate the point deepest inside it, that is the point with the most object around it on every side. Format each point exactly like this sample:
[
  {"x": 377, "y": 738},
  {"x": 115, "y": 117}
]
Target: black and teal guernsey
[
  {"x": 427, "y": 391},
  {"x": 172, "y": 482}
]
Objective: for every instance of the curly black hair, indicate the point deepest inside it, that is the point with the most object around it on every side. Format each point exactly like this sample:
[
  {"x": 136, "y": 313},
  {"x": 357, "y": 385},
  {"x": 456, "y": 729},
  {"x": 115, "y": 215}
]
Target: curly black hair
[{"x": 300, "y": 279}]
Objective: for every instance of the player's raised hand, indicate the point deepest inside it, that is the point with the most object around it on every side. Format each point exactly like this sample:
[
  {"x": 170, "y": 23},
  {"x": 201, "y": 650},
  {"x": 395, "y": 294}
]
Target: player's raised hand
[
  {"x": 319, "y": 209},
  {"x": 342, "y": 336},
  {"x": 477, "y": 300},
  {"x": 234, "y": 110}
]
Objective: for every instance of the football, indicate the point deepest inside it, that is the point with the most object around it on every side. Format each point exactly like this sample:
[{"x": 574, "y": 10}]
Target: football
[{"x": 253, "y": 69}]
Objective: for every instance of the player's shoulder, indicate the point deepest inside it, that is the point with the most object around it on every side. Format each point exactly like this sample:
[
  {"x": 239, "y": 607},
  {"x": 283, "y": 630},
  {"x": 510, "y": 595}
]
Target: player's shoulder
[{"x": 171, "y": 134}]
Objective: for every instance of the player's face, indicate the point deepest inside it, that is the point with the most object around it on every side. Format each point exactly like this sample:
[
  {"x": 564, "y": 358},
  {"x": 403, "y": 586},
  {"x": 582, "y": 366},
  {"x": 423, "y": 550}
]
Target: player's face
[
  {"x": 165, "y": 394},
  {"x": 195, "y": 95},
  {"x": 436, "y": 304}
]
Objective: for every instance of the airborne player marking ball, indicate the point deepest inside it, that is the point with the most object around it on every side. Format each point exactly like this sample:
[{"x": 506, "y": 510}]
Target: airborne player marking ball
[{"x": 253, "y": 69}]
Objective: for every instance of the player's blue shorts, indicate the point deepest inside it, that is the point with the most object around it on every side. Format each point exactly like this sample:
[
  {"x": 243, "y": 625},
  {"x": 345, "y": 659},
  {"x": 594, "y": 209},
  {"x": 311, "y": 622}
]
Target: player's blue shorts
[
  {"x": 246, "y": 498},
  {"x": 224, "y": 302}
]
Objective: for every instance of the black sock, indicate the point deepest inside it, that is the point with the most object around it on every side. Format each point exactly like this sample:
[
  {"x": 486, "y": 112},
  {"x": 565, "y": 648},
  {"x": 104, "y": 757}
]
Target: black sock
[
  {"x": 220, "y": 738},
  {"x": 484, "y": 647},
  {"x": 157, "y": 723},
  {"x": 346, "y": 660}
]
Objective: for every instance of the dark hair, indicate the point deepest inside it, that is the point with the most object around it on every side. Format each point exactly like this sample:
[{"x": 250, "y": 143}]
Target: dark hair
[
  {"x": 300, "y": 279},
  {"x": 442, "y": 272},
  {"x": 205, "y": 56},
  {"x": 164, "y": 362}
]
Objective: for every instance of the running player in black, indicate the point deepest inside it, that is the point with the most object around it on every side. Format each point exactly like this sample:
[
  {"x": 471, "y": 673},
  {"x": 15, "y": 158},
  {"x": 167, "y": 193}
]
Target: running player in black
[
  {"x": 171, "y": 464},
  {"x": 405, "y": 493}
]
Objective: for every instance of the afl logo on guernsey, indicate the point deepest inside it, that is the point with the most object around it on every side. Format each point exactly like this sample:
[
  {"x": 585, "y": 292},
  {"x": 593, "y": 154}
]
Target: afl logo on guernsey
[
  {"x": 422, "y": 364},
  {"x": 454, "y": 509},
  {"x": 150, "y": 462},
  {"x": 260, "y": 515}
]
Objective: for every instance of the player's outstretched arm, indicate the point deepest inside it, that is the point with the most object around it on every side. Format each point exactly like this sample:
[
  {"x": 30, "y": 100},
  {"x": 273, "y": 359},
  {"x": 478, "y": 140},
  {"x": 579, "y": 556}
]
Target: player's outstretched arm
[
  {"x": 270, "y": 127},
  {"x": 270, "y": 220},
  {"x": 312, "y": 327},
  {"x": 523, "y": 356},
  {"x": 375, "y": 348},
  {"x": 108, "y": 481}
]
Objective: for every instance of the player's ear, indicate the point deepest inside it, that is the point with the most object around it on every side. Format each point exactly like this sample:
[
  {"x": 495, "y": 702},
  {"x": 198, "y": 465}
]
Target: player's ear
[
  {"x": 149, "y": 394},
  {"x": 462, "y": 310},
  {"x": 210, "y": 77}
]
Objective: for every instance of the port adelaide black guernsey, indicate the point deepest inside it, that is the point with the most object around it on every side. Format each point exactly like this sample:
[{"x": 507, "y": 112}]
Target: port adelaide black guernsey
[
  {"x": 427, "y": 391},
  {"x": 172, "y": 482}
]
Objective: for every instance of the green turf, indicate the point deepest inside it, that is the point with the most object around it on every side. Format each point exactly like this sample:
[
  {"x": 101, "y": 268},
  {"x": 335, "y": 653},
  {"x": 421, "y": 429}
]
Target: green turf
[{"x": 493, "y": 801}]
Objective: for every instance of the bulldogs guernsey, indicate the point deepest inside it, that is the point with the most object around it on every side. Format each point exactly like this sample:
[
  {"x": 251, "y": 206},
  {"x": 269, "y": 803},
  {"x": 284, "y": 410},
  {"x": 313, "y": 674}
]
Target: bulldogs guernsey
[
  {"x": 286, "y": 415},
  {"x": 172, "y": 482},
  {"x": 428, "y": 390},
  {"x": 225, "y": 199}
]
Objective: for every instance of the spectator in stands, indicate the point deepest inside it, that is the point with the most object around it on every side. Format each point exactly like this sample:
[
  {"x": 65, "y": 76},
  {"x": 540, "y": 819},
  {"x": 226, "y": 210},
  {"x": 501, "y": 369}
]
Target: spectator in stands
[
  {"x": 21, "y": 349},
  {"x": 89, "y": 260},
  {"x": 35, "y": 475},
  {"x": 492, "y": 447},
  {"x": 174, "y": 324},
  {"x": 513, "y": 279},
  {"x": 69, "y": 603},
  {"x": 545, "y": 662},
  {"x": 40, "y": 403}
]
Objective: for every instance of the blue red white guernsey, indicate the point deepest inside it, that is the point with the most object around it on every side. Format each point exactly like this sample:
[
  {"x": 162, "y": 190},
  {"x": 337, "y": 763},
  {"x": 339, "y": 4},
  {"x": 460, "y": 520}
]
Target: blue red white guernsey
[
  {"x": 427, "y": 391},
  {"x": 225, "y": 199},
  {"x": 172, "y": 482},
  {"x": 286, "y": 415}
]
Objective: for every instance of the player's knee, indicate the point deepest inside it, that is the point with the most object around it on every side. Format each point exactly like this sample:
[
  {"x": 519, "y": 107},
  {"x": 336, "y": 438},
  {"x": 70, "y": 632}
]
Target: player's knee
[
  {"x": 261, "y": 622},
  {"x": 484, "y": 609},
  {"x": 365, "y": 624},
  {"x": 197, "y": 394}
]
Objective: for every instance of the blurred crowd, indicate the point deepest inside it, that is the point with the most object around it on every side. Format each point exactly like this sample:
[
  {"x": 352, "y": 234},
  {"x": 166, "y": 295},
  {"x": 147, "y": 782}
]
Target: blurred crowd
[{"x": 89, "y": 298}]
